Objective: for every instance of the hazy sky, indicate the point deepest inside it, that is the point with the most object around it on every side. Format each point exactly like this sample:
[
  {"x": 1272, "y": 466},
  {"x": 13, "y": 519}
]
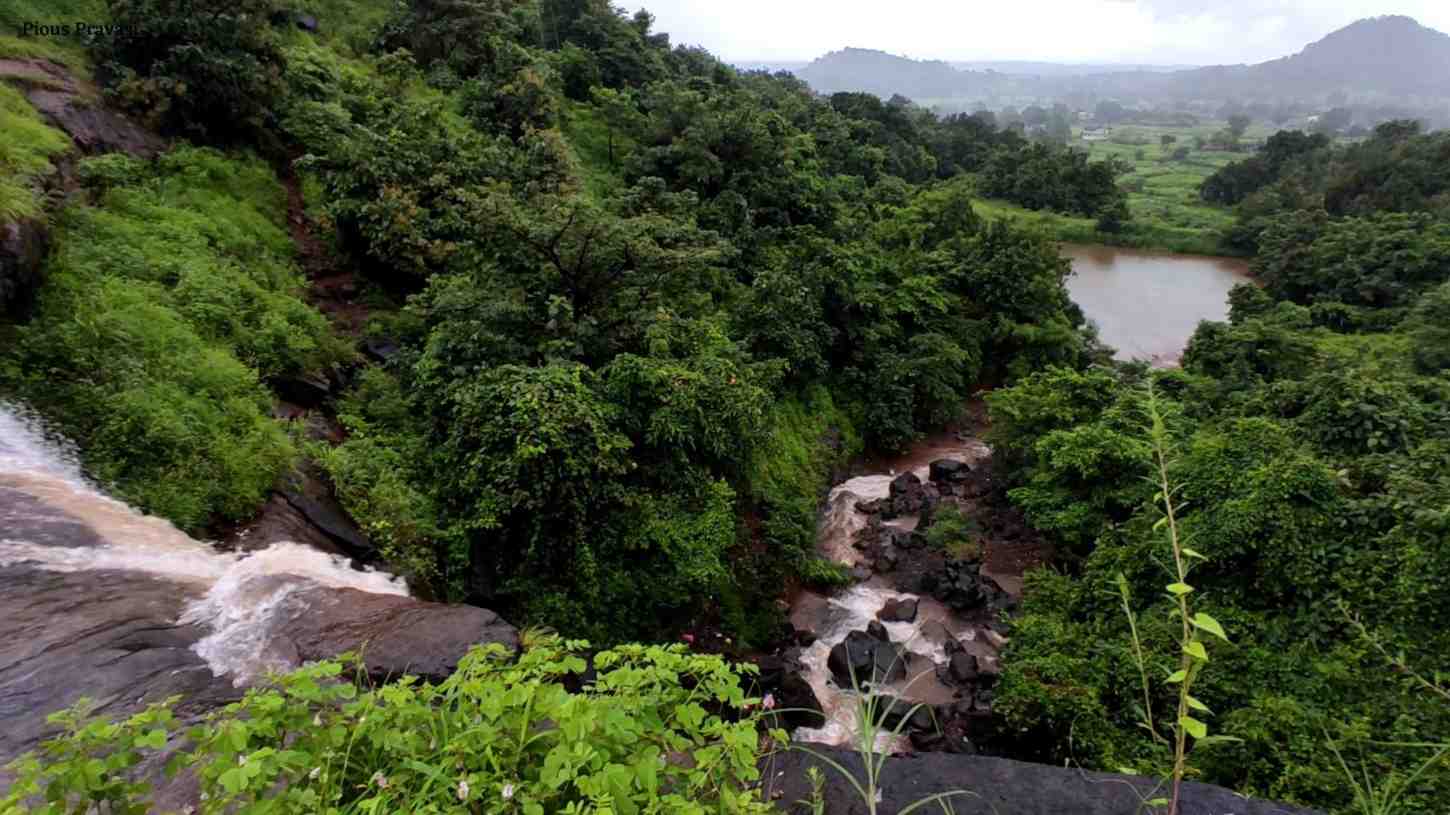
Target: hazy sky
[{"x": 1152, "y": 31}]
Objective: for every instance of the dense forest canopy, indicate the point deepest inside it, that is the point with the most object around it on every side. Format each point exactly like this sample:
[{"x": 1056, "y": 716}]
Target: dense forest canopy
[
  {"x": 633, "y": 289},
  {"x": 640, "y": 306}
]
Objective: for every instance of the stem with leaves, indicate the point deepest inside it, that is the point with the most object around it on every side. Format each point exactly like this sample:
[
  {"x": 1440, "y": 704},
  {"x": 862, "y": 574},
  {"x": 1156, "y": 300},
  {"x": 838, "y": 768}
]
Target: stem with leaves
[{"x": 1194, "y": 655}]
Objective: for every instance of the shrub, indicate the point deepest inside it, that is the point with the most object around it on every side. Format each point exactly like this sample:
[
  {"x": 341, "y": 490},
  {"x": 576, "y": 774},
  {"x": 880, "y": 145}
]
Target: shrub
[
  {"x": 657, "y": 730},
  {"x": 211, "y": 69}
]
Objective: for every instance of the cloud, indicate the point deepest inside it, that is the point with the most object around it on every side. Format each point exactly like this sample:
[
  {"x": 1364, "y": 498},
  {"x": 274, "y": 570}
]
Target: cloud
[{"x": 1160, "y": 31}]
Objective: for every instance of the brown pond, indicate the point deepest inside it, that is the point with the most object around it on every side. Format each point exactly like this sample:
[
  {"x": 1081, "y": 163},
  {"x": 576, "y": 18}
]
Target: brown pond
[{"x": 1147, "y": 304}]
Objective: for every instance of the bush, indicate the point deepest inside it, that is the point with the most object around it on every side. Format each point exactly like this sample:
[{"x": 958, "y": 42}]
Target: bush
[
  {"x": 656, "y": 730},
  {"x": 211, "y": 69}
]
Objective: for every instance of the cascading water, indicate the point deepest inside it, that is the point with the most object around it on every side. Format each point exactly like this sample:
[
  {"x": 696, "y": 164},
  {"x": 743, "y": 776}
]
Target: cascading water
[
  {"x": 832, "y": 618},
  {"x": 100, "y": 600}
]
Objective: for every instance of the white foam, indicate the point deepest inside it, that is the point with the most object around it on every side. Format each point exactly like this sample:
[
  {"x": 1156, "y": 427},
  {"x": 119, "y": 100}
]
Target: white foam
[
  {"x": 853, "y": 610},
  {"x": 243, "y": 607},
  {"x": 236, "y": 596}
]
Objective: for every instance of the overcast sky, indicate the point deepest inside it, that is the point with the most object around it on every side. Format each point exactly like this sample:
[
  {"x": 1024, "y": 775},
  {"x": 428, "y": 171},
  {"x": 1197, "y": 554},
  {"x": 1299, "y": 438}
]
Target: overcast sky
[{"x": 1200, "y": 32}]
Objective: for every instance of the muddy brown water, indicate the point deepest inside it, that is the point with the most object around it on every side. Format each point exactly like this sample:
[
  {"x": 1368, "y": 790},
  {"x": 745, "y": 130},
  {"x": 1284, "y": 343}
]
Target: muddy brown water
[{"x": 1147, "y": 304}]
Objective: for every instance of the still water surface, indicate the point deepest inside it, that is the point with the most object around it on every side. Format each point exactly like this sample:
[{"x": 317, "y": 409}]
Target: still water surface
[{"x": 1147, "y": 304}]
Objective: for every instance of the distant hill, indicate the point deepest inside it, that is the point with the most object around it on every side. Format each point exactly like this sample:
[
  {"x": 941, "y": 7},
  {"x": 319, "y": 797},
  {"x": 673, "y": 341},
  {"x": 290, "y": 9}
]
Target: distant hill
[
  {"x": 1394, "y": 56},
  {"x": 862, "y": 69},
  {"x": 1381, "y": 57},
  {"x": 1029, "y": 68}
]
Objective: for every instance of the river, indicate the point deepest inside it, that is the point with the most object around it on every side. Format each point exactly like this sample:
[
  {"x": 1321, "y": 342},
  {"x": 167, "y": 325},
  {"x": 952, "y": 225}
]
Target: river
[{"x": 1147, "y": 304}]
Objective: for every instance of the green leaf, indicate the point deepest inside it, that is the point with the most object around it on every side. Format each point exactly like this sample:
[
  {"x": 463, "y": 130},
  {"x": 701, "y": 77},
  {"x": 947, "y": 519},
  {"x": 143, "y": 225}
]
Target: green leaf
[
  {"x": 1197, "y": 705},
  {"x": 1195, "y": 728},
  {"x": 1160, "y": 523},
  {"x": 1194, "y": 553},
  {"x": 155, "y": 739},
  {"x": 1209, "y": 624},
  {"x": 1176, "y": 677},
  {"x": 1179, "y": 588},
  {"x": 1196, "y": 650}
]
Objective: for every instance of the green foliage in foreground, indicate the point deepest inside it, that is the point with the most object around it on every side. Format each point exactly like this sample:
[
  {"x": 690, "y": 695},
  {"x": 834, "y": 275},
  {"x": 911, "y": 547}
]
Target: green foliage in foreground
[
  {"x": 25, "y": 155},
  {"x": 657, "y": 731},
  {"x": 168, "y": 301}
]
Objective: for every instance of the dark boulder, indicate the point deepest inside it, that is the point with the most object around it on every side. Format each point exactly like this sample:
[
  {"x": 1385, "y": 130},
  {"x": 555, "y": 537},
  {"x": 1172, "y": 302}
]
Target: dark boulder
[
  {"x": 907, "y": 494},
  {"x": 947, "y": 470},
  {"x": 963, "y": 667},
  {"x": 862, "y": 659},
  {"x": 898, "y": 611},
  {"x": 890, "y": 711},
  {"x": 876, "y": 631},
  {"x": 997, "y": 787},
  {"x": 380, "y": 350},
  {"x": 783, "y": 677},
  {"x": 304, "y": 389},
  {"x": 315, "y": 502}
]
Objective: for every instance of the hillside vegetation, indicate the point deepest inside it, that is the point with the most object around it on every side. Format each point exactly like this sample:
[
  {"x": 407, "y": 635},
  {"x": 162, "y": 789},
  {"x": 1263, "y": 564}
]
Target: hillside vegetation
[{"x": 641, "y": 307}]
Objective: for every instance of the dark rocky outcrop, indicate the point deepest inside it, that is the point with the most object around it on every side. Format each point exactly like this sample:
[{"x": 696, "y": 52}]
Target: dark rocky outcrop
[
  {"x": 312, "y": 498},
  {"x": 862, "y": 659},
  {"x": 784, "y": 678},
  {"x": 394, "y": 635},
  {"x": 93, "y": 128},
  {"x": 997, "y": 786},
  {"x": 949, "y": 470},
  {"x": 23, "y": 245},
  {"x": 898, "y": 611},
  {"x": 309, "y": 391},
  {"x": 962, "y": 586}
]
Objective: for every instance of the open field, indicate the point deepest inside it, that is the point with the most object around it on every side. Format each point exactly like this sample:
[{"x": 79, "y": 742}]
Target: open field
[{"x": 1162, "y": 191}]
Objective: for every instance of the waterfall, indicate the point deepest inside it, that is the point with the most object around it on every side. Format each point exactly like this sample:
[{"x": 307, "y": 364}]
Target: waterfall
[{"x": 53, "y": 519}]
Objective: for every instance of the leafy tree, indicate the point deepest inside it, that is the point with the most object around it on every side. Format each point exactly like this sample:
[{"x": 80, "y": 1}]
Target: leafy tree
[{"x": 210, "y": 69}]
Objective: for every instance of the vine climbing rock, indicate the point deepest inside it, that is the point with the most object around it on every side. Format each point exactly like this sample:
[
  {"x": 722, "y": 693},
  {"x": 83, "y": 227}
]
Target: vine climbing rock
[{"x": 995, "y": 786}]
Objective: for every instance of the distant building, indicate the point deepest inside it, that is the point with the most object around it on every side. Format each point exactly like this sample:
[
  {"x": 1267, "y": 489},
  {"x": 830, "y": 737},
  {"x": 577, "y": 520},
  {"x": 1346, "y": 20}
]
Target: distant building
[{"x": 1096, "y": 133}]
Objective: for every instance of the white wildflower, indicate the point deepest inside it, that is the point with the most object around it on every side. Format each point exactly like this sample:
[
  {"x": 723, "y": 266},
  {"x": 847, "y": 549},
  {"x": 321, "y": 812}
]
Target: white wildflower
[
  {"x": 316, "y": 771},
  {"x": 508, "y": 791},
  {"x": 380, "y": 779},
  {"x": 768, "y": 702},
  {"x": 463, "y": 789}
]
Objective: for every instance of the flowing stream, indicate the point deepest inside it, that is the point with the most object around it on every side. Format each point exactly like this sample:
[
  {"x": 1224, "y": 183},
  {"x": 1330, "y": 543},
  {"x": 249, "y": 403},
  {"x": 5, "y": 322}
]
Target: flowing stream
[
  {"x": 97, "y": 599},
  {"x": 833, "y": 617}
]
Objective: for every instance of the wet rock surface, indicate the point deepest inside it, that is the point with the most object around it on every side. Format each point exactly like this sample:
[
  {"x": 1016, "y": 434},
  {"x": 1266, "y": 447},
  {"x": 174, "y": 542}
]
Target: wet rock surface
[
  {"x": 393, "y": 635},
  {"x": 997, "y": 787},
  {"x": 111, "y": 636},
  {"x": 867, "y": 658},
  {"x": 23, "y": 246}
]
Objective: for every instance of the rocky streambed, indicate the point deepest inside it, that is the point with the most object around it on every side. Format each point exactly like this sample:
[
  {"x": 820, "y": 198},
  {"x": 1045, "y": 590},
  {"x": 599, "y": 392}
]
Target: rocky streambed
[{"x": 923, "y": 623}]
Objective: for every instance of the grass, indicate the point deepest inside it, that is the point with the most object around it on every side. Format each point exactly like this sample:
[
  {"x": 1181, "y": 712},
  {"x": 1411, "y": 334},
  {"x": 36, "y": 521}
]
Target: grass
[
  {"x": 1138, "y": 234},
  {"x": 68, "y": 51},
  {"x": 588, "y": 134},
  {"x": 25, "y": 155},
  {"x": 1162, "y": 193},
  {"x": 166, "y": 303}
]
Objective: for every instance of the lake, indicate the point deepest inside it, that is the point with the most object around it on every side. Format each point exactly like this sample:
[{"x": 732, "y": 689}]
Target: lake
[{"x": 1147, "y": 304}]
